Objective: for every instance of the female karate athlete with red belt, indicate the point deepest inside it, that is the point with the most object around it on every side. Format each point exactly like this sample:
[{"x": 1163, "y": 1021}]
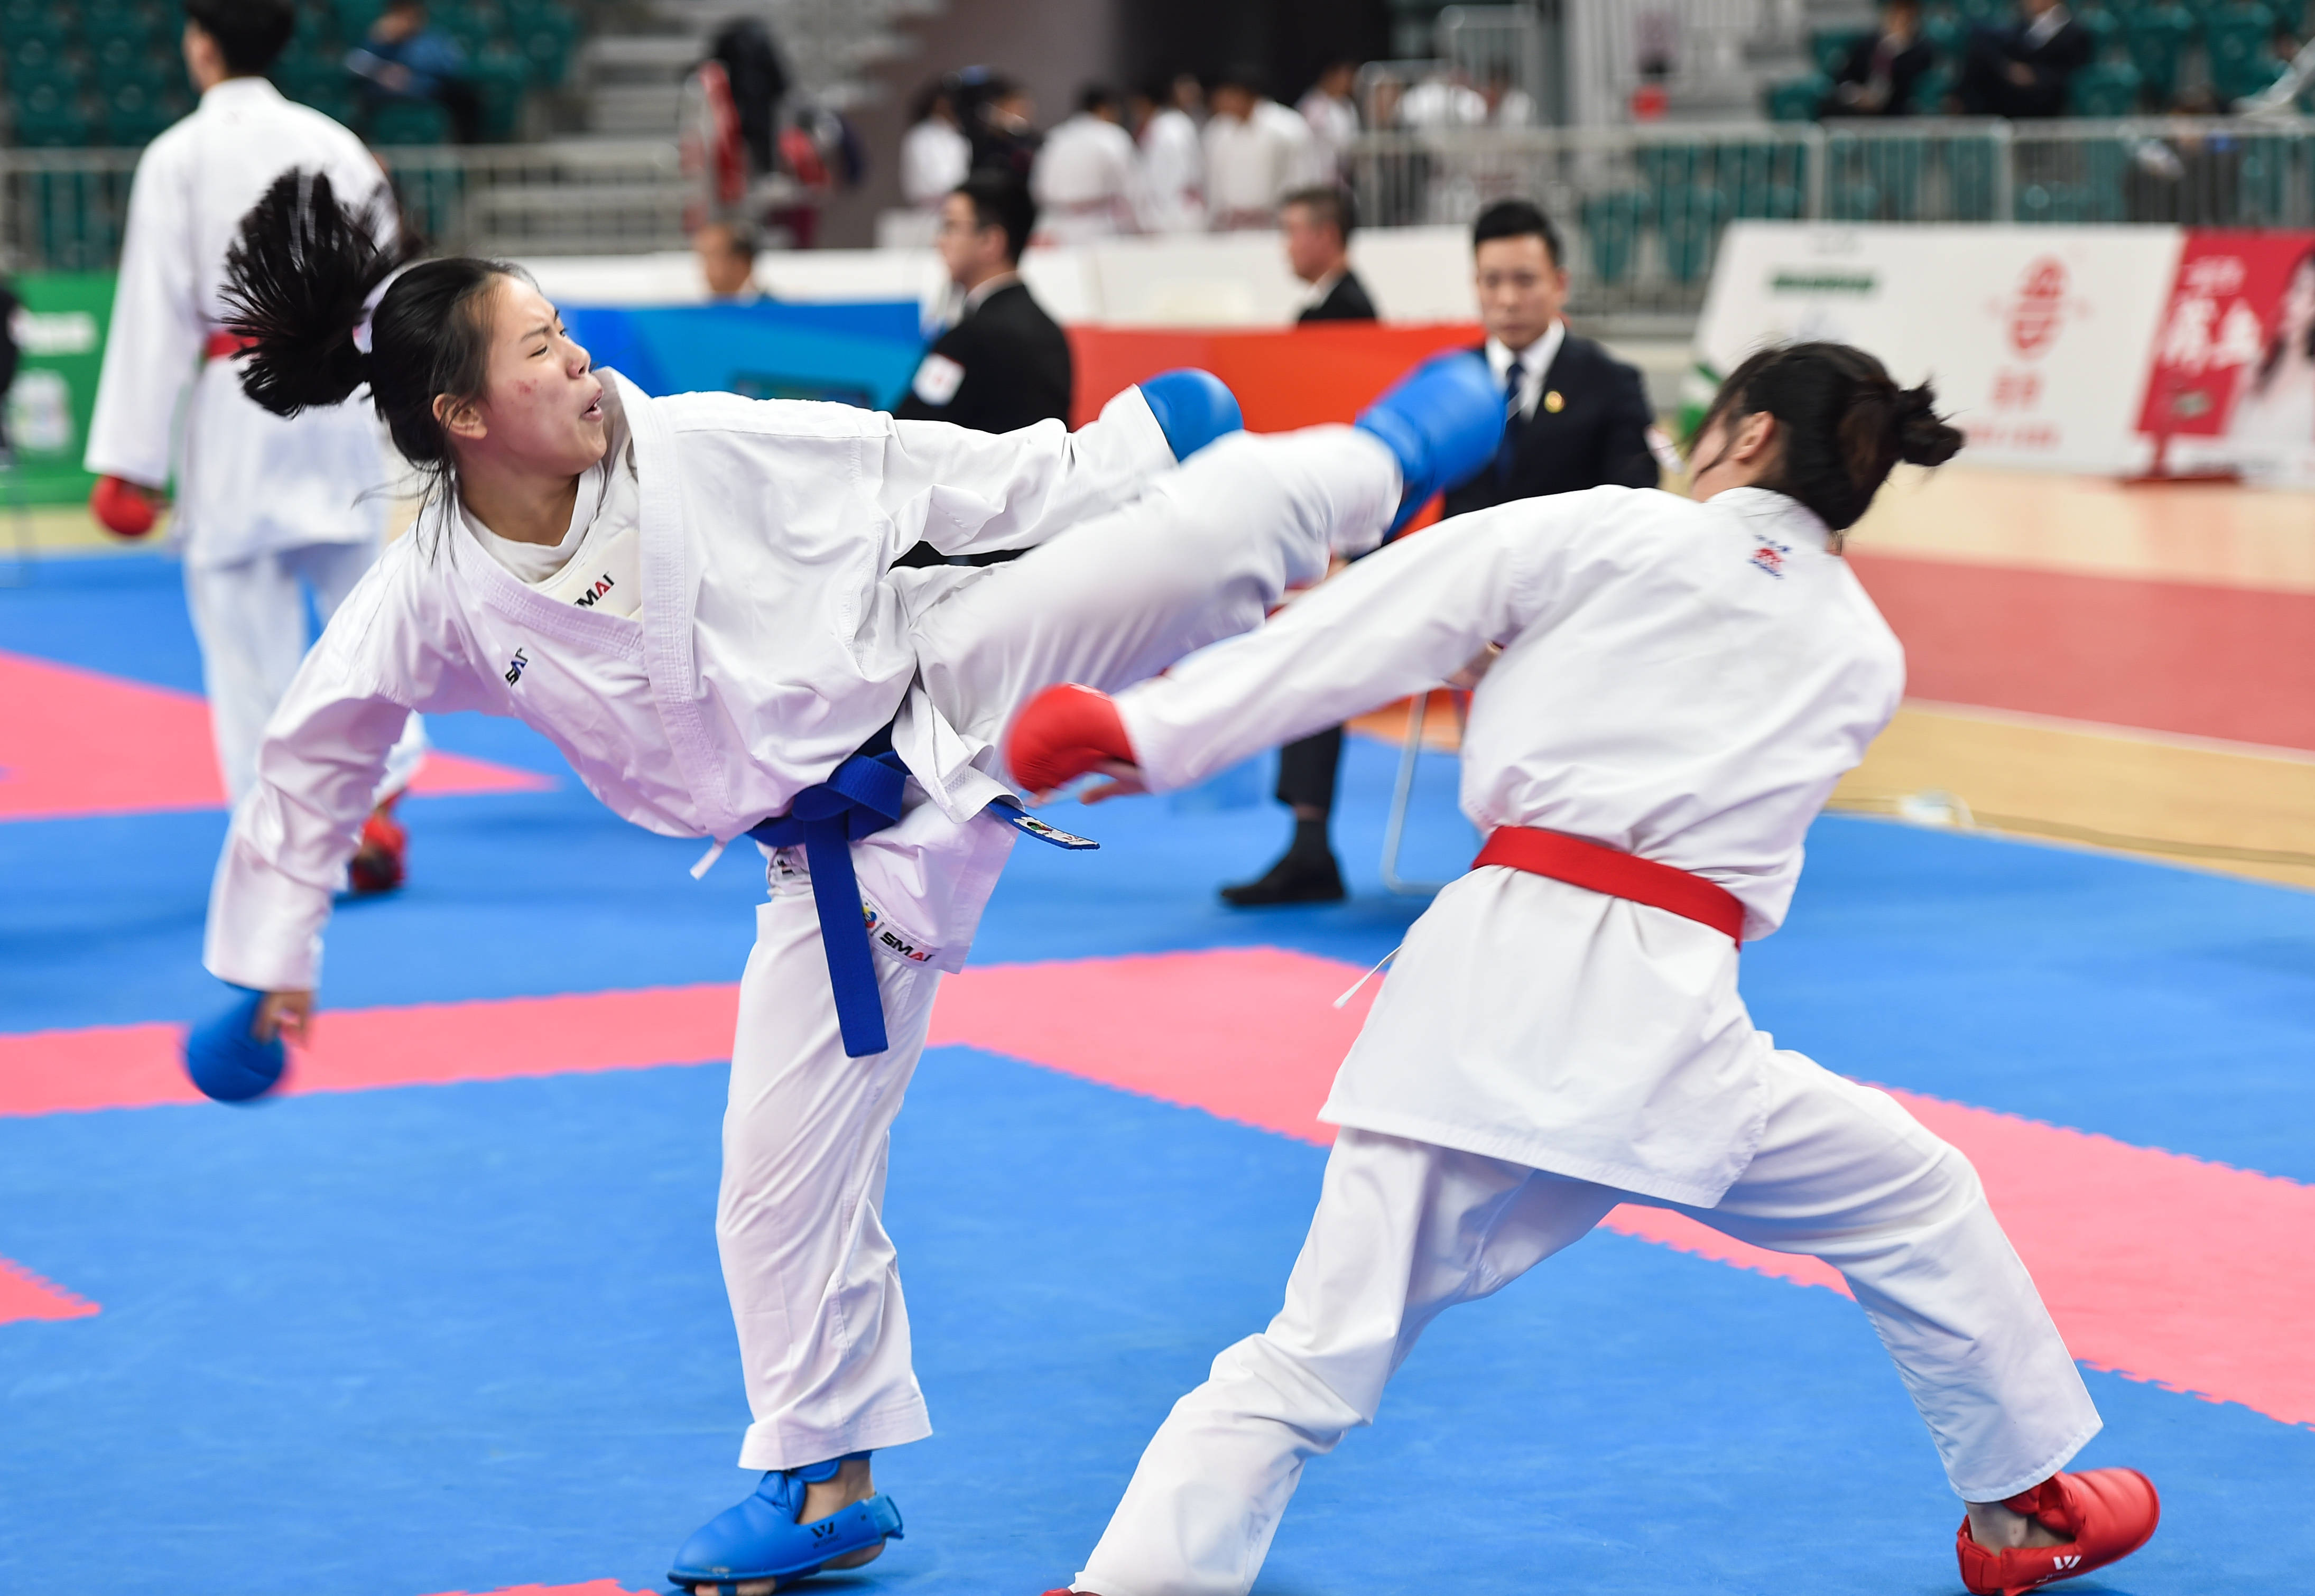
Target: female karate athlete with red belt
[{"x": 1680, "y": 683}]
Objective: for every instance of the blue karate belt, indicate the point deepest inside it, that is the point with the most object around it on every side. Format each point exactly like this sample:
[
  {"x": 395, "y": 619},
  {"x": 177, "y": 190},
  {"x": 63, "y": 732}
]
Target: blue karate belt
[{"x": 860, "y": 799}]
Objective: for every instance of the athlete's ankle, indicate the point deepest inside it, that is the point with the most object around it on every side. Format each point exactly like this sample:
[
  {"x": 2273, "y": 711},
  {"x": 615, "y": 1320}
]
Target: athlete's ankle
[{"x": 851, "y": 1483}]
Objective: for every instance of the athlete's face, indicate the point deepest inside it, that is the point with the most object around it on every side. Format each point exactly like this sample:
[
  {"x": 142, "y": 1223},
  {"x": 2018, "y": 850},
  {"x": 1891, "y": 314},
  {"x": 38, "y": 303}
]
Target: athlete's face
[{"x": 542, "y": 405}]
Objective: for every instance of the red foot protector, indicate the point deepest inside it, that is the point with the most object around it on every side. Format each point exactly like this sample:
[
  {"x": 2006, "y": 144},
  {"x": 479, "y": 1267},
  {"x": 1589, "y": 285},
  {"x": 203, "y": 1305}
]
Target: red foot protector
[
  {"x": 1064, "y": 732},
  {"x": 2107, "y": 1513}
]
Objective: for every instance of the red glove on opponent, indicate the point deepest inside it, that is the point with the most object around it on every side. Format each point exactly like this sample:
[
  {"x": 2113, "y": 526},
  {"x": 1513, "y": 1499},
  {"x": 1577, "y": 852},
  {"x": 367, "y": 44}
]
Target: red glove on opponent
[
  {"x": 120, "y": 507},
  {"x": 1064, "y": 732}
]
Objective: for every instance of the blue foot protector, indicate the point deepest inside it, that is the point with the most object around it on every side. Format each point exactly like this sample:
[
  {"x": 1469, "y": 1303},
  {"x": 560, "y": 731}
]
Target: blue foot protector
[
  {"x": 227, "y": 1060},
  {"x": 1193, "y": 408},
  {"x": 760, "y": 1539},
  {"x": 1444, "y": 421}
]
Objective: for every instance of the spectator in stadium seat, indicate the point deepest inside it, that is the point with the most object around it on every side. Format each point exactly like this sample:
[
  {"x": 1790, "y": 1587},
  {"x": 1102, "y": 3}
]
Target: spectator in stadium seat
[
  {"x": 402, "y": 58},
  {"x": 727, "y": 260},
  {"x": 1317, "y": 223},
  {"x": 2024, "y": 71},
  {"x": 1877, "y": 76}
]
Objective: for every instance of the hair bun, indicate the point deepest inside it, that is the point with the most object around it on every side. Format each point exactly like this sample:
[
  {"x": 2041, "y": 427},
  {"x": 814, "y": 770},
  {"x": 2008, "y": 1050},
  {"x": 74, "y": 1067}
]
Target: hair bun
[{"x": 1924, "y": 437}]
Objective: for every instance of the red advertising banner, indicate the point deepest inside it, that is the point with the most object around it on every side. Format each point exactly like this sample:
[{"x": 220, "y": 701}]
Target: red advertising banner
[{"x": 2234, "y": 354}]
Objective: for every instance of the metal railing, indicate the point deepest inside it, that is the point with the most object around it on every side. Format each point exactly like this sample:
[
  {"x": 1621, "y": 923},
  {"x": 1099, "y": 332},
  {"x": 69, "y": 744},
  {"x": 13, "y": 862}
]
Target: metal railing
[
  {"x": 1643, "y": 207},
  {"x": 62, "y": 210}
]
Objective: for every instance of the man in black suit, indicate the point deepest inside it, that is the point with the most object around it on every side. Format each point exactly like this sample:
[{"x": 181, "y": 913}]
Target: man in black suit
[
  {"x": 1877, "y": 76},
  {"x": 1005, "y": 363},
  {"x": 2024, "y": 71},
  {"x": 1316, "y": 225},
  {"x": 1577, "y": 417}
]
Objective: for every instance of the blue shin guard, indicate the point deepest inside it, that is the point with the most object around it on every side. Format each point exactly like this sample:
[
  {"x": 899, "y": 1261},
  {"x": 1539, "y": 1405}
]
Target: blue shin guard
[
  {"x": 1444, "y": 421},
  {"x": 1193, "y": 408},
  {"x": 760, "y": 1539}
]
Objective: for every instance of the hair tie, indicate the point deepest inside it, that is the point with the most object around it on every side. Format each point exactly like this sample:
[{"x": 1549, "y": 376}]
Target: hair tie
[{"x": 361, "y": 332}]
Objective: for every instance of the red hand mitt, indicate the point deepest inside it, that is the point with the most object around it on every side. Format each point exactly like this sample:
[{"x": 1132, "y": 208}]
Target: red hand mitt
[
  {"x": 1064, "y": 732},
  {"x": 120, "y": 507}
]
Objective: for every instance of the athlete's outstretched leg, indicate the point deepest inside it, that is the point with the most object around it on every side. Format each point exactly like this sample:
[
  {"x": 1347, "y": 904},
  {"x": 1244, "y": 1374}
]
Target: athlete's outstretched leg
[{"x": 1207, "y": 552}]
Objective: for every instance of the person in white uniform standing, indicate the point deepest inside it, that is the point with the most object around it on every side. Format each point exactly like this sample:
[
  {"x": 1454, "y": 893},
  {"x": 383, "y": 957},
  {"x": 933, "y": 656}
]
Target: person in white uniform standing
[
  {"x": 1085, "y": 178},
  {"x": 269, "y": 510},
  {"x": 1666, "y": 692},
  {"x": 695, "y": 598},
  {"x": 1256, "y": 151},
  {"x": 1171, "y": 193}
]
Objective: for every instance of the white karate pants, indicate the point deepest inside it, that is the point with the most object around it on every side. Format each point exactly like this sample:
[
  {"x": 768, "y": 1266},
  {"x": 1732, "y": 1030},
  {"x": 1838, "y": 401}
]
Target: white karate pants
[
  {"x": 814, "y": 1284},
  {"x": 250, "y": 619},
  {"x": 1405, "y": 1229}
]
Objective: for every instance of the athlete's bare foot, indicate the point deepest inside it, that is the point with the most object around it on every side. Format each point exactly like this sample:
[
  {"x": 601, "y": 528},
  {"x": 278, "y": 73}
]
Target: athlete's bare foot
[
  {"x": 851, "y": 1483},
  {"x": 1997, "y": 1528}
]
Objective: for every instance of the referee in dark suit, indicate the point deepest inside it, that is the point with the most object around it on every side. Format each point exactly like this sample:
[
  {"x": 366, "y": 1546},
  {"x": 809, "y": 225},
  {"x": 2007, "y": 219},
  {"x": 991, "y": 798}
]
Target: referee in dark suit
[
  {"x": 1577, "y": 417},
  {"x": 1005, "y": 363},
  {"x": 1316, "y": 225}
]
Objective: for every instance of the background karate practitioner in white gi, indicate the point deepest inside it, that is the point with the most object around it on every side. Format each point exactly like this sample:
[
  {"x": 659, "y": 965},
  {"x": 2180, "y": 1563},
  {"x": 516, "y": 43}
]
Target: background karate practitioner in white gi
[
  {"x": 694, "y": 598},
  {"x": 1679, "y": 684},
  {"x": 268, "y": 509}
]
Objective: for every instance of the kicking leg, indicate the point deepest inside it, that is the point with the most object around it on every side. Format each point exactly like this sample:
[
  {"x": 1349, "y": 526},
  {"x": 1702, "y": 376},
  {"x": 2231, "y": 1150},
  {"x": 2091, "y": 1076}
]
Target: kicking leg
[
  {"x": 1404, "y": 1230},
  {"x": 1203, "y": 556}
]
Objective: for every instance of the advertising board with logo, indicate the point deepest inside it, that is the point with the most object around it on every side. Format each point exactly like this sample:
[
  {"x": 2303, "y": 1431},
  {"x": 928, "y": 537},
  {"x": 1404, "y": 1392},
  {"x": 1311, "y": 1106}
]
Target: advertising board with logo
[
  {"x": 2036, "y": 337},
  {"x": 2233, "y": 382}
]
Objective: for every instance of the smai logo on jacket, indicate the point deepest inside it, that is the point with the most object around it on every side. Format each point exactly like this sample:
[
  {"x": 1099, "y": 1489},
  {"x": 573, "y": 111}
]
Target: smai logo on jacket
[{"x": 1770, "y": 556}]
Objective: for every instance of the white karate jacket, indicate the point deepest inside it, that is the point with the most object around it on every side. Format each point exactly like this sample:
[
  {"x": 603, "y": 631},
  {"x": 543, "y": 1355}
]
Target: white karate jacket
[
  {"x": 248, "y": 482},
  {"x": 1172, "y": 186},
  {"x": 1682, "y": 681},
  {"x": 774, "y": 639},
  {"x": 1084, "y": 180}
]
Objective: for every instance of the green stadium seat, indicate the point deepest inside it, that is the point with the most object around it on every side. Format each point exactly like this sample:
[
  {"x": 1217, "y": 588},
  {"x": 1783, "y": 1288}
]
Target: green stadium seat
[
  {"x": 47, "y": 117},
  {"x": 1931, "y": 90},
  {"x": 502, "y": 79},
  {"x": 2236, "y": 38},
  {"x": 2103, "y": 27},
  {"x": 1612, "y": 232},
  {"x": 2155, "y": 39},
  {"x": 355, "y": 16},
  {"x": 547, "y": 33},
  {"x": 1970, "y": 164},
  {"x": 1763, "y": 180},
  {"x": 32, "y": 61},
  {"x": 1798, "y": 99},
  {"x": 1830, "y": 47},
  {"x": 409, "y": 123},
  {"x": 2105, "y": 89},
  {"x": 22, "y": 21},
  {"x": 1948, "y": 32},
  {"x": 120, "y": 58},
  {"x": 1692, "y": 221},
  {"x": 134, "y": 114}
]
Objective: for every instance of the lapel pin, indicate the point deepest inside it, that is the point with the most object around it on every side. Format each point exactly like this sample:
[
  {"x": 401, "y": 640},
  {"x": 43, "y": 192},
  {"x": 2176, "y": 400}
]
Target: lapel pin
[{"x": 1553, "y": 403}]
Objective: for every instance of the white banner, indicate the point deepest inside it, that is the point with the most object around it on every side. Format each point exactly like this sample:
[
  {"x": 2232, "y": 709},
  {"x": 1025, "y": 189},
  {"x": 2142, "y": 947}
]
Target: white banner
[{"x": 2038, "y": 338}]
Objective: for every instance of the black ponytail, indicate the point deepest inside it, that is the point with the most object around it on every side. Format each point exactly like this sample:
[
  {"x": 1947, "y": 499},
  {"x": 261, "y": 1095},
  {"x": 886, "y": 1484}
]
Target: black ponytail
[
  {"x": 297, "y": 281},
  {"x": 1846, "y": 424}
]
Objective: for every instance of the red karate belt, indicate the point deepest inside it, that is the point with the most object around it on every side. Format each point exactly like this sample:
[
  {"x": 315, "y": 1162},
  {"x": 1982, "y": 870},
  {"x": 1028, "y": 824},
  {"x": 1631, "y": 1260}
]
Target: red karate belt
[
  {"x": 1599, "y": 868},
  {"x": 224, "y": 345}
]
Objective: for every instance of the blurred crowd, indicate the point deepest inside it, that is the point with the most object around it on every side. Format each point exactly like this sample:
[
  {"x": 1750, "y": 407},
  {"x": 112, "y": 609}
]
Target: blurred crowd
[{"x": 1182, "y": 155}]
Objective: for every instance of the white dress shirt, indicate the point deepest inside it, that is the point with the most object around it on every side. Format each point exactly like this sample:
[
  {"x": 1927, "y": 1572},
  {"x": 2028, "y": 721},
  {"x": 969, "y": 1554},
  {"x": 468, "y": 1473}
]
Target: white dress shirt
[
  {"x": 1682, "y": 681},
  {"x": 1535, "y": 365}
]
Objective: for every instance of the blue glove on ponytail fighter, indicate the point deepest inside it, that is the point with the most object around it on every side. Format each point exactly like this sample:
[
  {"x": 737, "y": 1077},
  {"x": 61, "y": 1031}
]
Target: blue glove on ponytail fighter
[
  {"x": 1193, "y": 408},
  {"x": 760, "y": 1539},
  {"x": 227, "y": 1060},
  {"x": 1444, "y": 421}
]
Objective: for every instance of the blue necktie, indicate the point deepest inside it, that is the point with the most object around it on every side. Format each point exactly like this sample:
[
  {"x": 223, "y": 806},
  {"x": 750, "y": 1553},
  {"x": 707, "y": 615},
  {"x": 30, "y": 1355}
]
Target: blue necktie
[{"x": 1514, "y": 380}]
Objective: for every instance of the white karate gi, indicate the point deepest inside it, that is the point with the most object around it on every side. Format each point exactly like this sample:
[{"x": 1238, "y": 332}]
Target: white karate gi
[
  {"x": 265, "y": 507},
  {"x": 1253, "y": 162},
  {"x": 1173, "y": 189},
  {"x": 1685, "y": 682},
  {"x": 1083, "y": 181},
  {"x": 1333, "y": 124},
  {"x": 773, "y": 639},
  {"x": 934, "y": 158}
]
